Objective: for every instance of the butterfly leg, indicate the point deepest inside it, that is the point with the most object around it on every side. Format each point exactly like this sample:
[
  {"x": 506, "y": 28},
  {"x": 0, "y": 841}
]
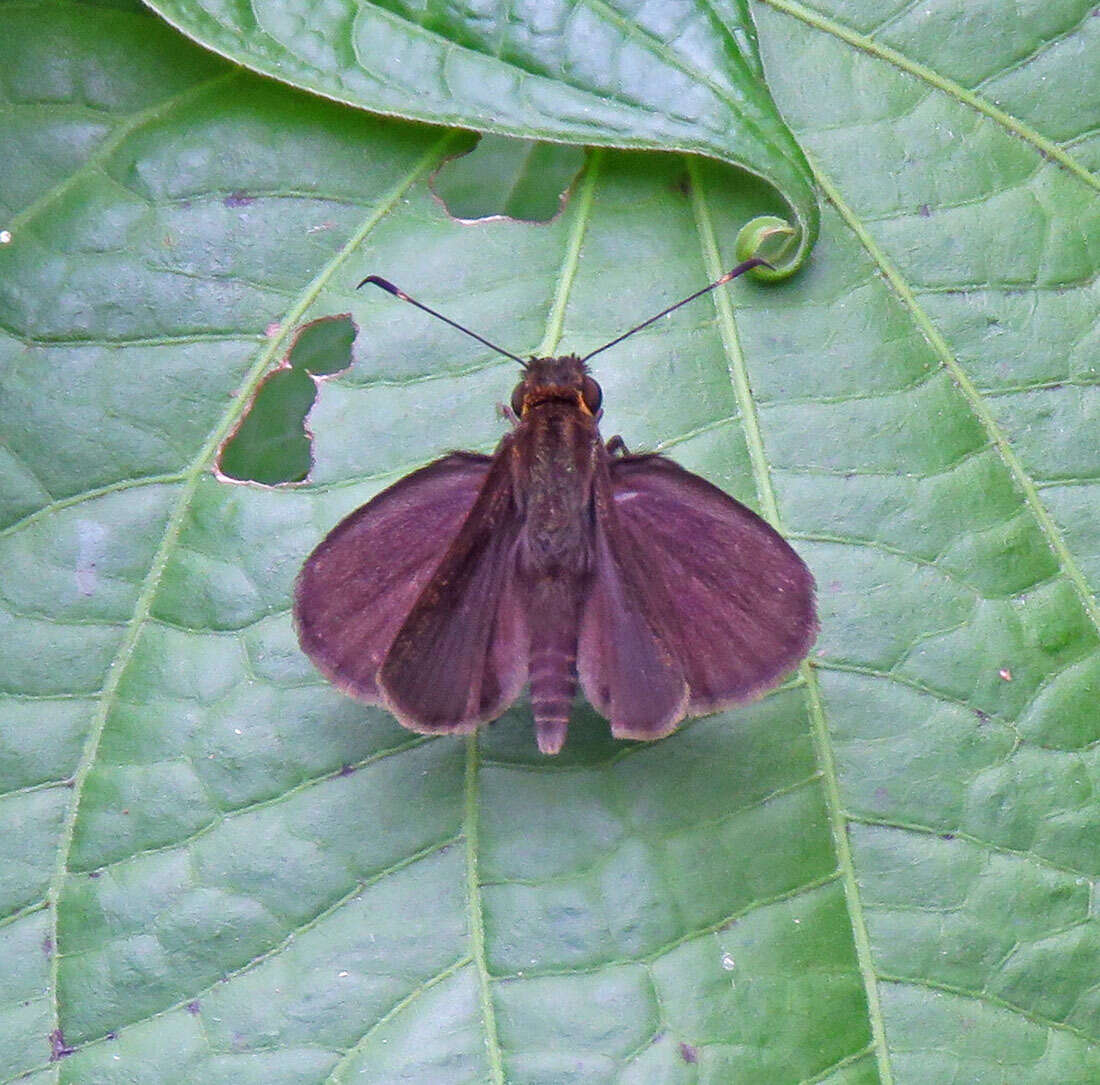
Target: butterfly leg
[{"x": 617, "y": 447}]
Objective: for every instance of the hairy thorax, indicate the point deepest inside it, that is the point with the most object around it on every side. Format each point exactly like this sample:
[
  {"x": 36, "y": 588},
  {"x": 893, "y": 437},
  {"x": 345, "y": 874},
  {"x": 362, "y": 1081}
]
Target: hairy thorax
[{"x": 554, "y": 471}]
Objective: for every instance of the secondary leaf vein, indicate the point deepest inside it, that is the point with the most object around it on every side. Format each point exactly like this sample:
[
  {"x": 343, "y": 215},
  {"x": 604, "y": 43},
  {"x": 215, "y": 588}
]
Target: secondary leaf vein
[{"x": 871, "y": 47}]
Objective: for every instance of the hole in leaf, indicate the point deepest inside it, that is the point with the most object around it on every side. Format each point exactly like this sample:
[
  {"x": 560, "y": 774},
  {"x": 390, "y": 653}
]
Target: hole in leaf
[
  {"x": 271, "y": 445},
  {"x": 511, "y": 178}
]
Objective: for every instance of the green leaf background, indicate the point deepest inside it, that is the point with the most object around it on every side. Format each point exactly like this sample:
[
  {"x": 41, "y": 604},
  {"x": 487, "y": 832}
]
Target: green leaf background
[{"x": 214, "y": 868}]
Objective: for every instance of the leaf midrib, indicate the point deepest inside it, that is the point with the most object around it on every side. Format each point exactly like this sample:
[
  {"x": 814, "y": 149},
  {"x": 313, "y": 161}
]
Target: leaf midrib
[{"x": 823, "y": 752}]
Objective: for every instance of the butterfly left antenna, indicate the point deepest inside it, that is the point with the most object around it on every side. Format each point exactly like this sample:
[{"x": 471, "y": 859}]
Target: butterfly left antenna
[{"x": 386, "y": 285}]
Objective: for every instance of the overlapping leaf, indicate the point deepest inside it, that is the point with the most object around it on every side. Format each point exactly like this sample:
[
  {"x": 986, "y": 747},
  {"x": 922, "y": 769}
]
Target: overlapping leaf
[{"x": 681, "y": 76}]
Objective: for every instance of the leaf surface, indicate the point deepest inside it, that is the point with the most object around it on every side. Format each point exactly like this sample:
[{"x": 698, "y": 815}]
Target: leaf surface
[{"x": 215, "y": 868}]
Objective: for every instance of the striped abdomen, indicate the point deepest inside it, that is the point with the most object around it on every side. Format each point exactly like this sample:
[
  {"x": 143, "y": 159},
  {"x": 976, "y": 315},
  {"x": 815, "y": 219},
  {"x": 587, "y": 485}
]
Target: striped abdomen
[{"x": 552, "y": 665}]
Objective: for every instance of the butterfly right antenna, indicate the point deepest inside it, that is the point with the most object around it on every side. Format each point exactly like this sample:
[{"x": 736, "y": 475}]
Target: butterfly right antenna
[{"x": 748, "y": 265}]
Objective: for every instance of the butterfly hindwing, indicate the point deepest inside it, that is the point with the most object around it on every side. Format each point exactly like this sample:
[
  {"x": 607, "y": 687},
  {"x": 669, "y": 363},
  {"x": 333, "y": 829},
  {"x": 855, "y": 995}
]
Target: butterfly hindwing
[
  {"x": 628, "y": 671},
  {"x": 460, "y": 658}
]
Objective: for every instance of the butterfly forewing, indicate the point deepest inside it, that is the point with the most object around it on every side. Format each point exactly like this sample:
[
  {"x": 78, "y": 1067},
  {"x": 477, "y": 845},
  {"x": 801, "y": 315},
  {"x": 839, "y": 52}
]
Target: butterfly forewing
[
  {"x": 356, "y": 589},
  {"x": 733, "y": 601}
]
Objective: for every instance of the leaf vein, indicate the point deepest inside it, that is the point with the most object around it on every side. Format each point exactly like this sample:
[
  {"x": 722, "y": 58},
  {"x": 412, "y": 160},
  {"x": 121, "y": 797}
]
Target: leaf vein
[
  {"x": 988, "y": 999},
  {"x": 971, "y": 395},
  {"x": 173, "y": 529},
  {"x": 688, "y": 936},
  {"x": 868, "y": 45}
]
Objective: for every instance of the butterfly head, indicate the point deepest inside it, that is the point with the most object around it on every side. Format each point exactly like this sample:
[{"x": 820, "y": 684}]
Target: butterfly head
[{"x": 564, "y": 379}]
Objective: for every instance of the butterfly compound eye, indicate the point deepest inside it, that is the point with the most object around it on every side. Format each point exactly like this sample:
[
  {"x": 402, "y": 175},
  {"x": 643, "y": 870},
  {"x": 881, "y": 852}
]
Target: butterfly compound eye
[
  {"x": 592, "y": 394},
  {"x": 517, "y": 399}
]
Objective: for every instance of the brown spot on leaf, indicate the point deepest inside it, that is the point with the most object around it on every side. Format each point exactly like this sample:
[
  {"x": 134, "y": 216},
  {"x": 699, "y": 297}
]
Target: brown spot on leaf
[{"x": 58, "y": 1048}]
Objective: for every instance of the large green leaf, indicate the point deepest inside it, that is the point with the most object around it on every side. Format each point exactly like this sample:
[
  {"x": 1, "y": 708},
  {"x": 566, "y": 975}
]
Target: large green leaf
[{"x": 215, "y": 868}]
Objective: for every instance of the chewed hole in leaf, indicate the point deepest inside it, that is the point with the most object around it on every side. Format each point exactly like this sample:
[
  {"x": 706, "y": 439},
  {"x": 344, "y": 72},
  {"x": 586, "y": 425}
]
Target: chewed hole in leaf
[
  {"x": 271, "y": 445},
  {"x": 323, "y": 347},
  {"x": 508, "y": 178}
]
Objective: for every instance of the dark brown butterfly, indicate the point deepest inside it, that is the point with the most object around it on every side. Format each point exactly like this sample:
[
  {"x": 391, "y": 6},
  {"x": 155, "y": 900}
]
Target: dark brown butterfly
[{"x": 557, "y": 558}]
